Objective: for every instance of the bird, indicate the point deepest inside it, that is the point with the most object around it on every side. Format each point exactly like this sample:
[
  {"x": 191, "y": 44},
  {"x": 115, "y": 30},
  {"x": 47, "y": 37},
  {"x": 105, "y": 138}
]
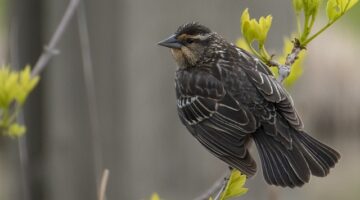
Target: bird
[{"x": 229, "y": 99}]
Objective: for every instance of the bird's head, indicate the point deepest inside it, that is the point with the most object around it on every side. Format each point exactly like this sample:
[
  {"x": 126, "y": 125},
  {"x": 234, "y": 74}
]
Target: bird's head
[{"x": 188, "y": 43}]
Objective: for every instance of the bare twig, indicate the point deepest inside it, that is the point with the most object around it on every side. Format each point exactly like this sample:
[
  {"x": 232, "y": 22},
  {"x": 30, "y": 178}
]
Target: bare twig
[
  {"x": 218, "y": 187},
  {"x": 90, "y": 89},
  {"x": 225, "y": 182},
  {"x": 285, "y": 69},
  {"x": 215, "y": 187},
  {"x": 50, "y": 49},
  {"x": 41, "y": 63},
  {"x": 103, "y": 184}
]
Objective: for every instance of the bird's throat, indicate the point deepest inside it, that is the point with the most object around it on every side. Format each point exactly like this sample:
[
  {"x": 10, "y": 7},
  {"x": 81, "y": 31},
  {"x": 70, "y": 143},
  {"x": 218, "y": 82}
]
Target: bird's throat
[{"x": 184, "y": 57}]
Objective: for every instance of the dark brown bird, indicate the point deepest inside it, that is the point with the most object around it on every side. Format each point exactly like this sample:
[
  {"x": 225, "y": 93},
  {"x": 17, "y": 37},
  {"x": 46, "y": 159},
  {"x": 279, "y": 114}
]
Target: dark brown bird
[{"x": 226, "y": 98}]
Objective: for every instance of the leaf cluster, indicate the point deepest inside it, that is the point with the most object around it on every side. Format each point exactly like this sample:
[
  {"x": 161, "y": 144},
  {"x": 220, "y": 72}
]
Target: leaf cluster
[
  {"x": 234, "y": 186},
  {"x": 256, "y": 30},
  {"x": 15, "y": 86},
  {"x": 306, "y": 11}
]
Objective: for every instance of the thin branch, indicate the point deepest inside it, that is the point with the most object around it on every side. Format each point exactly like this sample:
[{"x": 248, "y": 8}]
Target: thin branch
[
  {"x": 285, "y": 69},
  {"x": 308, "y": 40},
  {"x": 218, "y": 187},
  {"x": 90, "y": 89},
  {"x": 103, "y": 184},
  {"x": 50, "y": 49},
  {"x": 225, "y": 182}
]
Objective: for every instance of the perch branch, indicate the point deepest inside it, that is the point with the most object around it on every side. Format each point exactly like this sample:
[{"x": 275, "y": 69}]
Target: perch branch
[
  {"x": 50, "y": 49},
  {"x": 218, "y": 187},
  {"x": 285, "y": 69}
]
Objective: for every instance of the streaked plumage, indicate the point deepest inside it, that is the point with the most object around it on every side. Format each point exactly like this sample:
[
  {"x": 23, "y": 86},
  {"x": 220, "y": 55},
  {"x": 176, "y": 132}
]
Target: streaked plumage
[{"x": 226, "y": 98}]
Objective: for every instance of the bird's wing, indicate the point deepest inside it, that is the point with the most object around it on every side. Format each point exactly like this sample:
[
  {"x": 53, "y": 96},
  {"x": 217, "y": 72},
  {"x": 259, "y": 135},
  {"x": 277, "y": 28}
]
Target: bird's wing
[
  {"x": 270, "y": 88},
  {"x": 201, "y": 96},
  {"x": 223, "y": 115},
  {"x": 215, "y": 118}
]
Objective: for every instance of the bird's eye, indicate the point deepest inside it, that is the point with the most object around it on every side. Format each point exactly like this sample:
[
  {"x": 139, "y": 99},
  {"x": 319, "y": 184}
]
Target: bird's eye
[{"x": 189, "y": 40}]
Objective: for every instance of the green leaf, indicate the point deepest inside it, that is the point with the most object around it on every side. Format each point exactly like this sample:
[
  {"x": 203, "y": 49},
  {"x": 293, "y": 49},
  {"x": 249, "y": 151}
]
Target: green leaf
[
  {"x": 332, "y": 10},
  {"x": 242, "y": 44},
  {"x": 15, "y": 86},
  {"x": 8, "y": 86},
  {"x": 245, "y": 26},
  {"x": 311, "y": 7},
  {"x": 254, "y": 30},
  {"x": 245, "y": 17},
  {"x": 155, "y": 196},
  {"x": 352, "y": 4},
  {"x": 298, "y": 5},
  {"x": 264, "y": 27},
  {"x": 26, "y": 84},
  {"x": 16, "y": 130},
  {"x": 234, "y": 187},
  {"x": 336, "y": 8}
]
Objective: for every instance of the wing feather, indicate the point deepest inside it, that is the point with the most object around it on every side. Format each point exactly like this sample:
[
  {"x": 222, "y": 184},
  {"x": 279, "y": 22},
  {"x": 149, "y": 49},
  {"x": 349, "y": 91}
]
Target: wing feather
[
  {"x": 215, "y": 118},
  {"x": 272, "y": 90}
]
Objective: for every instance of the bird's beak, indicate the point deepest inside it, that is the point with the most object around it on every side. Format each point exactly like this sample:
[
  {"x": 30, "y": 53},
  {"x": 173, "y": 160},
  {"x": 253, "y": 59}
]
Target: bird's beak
[{"x": 171, "y": 42}]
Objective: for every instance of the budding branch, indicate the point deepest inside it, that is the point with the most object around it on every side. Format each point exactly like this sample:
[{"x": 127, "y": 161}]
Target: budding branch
[{"x": 285, "y": 69}]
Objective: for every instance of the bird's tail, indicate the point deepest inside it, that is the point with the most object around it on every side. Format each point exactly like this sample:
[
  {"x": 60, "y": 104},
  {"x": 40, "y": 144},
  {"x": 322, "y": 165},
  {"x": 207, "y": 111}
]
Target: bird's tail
[{"x": 291, "y": 165}]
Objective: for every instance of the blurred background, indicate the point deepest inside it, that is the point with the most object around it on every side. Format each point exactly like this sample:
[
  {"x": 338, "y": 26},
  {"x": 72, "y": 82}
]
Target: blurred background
[{"x": 136, "y": 133}]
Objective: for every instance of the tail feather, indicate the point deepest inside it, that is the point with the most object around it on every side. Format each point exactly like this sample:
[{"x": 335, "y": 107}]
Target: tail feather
[
  {"x": 283, "y": 162},
  {"x": 319, "y": 156},
  {"x": 290, "y": 176},
  {"x": 281, "y": 166},
  {"x": 273, "y": 173},
  {"x": 290, "y": 167}
]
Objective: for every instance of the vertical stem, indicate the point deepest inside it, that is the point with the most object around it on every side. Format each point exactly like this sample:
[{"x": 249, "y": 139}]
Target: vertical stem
[
  {"x": 24, "y": 161},
  {"x": 265, "y": 55},
  {"x": 305, "y": 32},
  {"x": 298, "y": 23},
  {"x": 24, "y": 46},
  {"x": 90, "y": 90},
  {"x": 103, "y": 185}
]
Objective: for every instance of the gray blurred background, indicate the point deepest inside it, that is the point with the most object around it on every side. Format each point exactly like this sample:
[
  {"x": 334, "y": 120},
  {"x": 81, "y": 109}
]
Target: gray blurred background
[{"x": 139, "y": 137}]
